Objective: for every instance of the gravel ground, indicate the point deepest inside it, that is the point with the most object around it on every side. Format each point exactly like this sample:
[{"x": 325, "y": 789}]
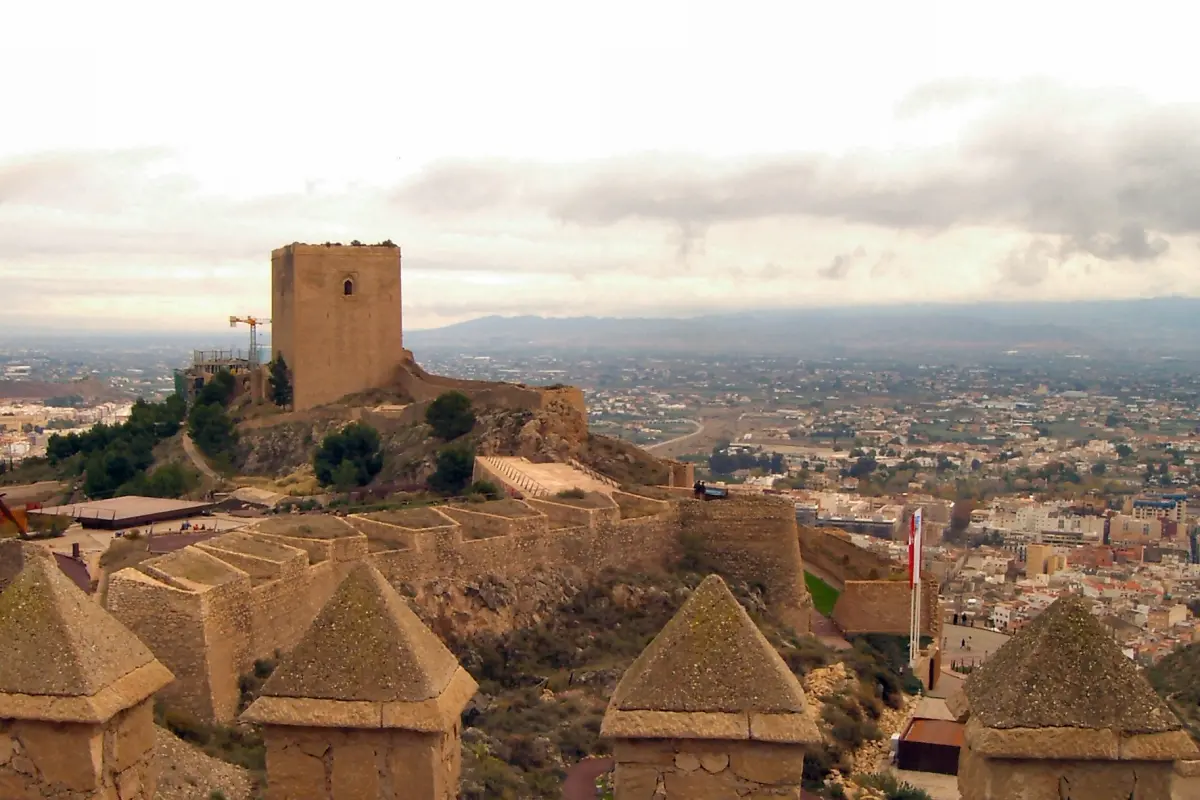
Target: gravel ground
[{"x": 186, "y": 773}]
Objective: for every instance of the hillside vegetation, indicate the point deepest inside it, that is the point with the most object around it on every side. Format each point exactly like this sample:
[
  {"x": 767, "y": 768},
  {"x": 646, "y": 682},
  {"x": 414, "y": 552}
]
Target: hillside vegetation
[
  {"x": 544, "y": 689},
  {"x": 1176, "y": 678}
]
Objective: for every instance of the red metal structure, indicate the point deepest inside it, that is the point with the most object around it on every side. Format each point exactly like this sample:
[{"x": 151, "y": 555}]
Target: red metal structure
[{"x": 7, "y": 513}]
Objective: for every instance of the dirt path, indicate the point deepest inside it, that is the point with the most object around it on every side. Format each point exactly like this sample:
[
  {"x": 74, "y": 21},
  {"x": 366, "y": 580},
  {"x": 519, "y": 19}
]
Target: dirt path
[
  {"x": 679, "y": 439},
  {"x": 193, "y": 454}
]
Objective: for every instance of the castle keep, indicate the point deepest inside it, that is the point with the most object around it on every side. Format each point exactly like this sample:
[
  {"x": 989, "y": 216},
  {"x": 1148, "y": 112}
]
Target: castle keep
[{"x": 335, "y": 316}]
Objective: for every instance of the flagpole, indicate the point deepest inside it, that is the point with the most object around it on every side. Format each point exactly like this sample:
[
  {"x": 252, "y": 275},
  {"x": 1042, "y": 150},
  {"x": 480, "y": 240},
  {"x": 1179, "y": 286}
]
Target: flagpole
[{"x": 914, "y": 577}]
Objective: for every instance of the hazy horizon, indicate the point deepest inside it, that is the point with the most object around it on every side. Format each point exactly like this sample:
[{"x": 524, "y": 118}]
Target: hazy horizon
[{"x": 664, "y": 160}]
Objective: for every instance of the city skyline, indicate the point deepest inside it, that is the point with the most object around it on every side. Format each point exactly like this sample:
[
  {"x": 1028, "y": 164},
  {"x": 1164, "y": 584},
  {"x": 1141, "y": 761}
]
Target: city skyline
[{"x": 653, "y": 162}]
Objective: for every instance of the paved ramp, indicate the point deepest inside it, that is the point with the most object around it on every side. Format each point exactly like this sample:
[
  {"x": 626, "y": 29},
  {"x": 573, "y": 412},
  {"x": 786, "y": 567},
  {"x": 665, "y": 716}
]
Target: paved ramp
[{"x": 541, "y": 480}]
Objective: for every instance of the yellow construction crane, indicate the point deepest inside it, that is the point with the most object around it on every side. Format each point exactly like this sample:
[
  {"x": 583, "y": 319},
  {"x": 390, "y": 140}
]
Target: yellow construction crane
[{"x": 253, "y": 322}]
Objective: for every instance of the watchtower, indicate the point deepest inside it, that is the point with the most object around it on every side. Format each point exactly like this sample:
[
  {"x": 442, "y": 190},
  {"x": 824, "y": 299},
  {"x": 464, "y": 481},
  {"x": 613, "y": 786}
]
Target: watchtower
[{"x": 336, "y": 320}]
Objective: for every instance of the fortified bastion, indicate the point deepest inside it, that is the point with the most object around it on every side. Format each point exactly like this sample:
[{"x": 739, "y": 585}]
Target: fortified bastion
[{"x": 208, "y": 611}]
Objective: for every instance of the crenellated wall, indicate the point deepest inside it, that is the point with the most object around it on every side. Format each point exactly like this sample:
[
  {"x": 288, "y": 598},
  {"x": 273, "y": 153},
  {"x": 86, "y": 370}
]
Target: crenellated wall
[{"x": 209, "y": 612}]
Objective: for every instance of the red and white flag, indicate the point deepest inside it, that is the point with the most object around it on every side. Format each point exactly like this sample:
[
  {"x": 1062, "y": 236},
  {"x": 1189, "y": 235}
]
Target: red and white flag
[{"x": 914, "y": 549}]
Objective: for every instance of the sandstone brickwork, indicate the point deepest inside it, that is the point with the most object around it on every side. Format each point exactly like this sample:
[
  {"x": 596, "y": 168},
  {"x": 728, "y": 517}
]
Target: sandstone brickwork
[
  {"x": 335, "y": 316},
  {"x": 831, "y": 551},
  {"x": 76, "y": 694},
  {"x": 367, "y": 705},
  {"x": 208, "y": 612},
  {"x": 709, "y": 710},
  {"x": 753, "y": 539},
  {"x": 884, "y": 607},
  {"x": 1059, "y": 713}
]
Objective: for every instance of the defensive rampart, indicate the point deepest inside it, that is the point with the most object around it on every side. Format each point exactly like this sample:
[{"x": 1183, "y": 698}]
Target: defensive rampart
[
  {"x": 208, "y": 612},
  {"x": 832, "y": 552},
  {"x": 753, "y": 539},
  {"x": 423, "y": 386},
  {"x": 884, "y": 607}
]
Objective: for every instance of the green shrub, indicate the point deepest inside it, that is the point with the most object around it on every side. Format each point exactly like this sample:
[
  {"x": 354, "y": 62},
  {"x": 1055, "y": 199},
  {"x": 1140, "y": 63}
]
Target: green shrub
[
  {"x": 572, "y": 494},
  {"x": 454, "y": 468},
  {"x": 450, "y": 416},
  {"x": 484, "y": 490},
  {"x": 349, "y": 457},
  {"x": 891, "y": 786}
]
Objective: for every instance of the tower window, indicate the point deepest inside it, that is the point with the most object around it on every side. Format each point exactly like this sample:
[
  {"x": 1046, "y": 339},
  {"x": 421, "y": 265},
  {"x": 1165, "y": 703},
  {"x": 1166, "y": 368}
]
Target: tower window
[{"x": 348, "y": 287}]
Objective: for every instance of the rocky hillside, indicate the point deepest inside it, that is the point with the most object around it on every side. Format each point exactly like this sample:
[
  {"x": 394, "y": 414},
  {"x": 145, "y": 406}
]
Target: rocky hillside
[
  {"x": 280, "y": 444},
  {"x": 544, "y": 687}
]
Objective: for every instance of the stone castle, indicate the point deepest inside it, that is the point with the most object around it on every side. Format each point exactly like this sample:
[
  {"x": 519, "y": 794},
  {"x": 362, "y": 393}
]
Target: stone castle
[{"x": 366, "y": 700}]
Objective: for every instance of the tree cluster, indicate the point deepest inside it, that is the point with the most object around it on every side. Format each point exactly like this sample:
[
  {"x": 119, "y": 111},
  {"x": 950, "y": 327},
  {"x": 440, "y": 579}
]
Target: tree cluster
[
  {"x": 350, "y": 457},
  {"x": 722, "y": 462},
  {"x": 114, "y": 458},
  {"x": 209, "y": 423}
]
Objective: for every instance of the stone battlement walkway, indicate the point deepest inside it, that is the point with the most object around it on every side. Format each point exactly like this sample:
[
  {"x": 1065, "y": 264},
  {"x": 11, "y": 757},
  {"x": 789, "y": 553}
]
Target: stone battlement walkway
[{"x": 540, "y": 480}]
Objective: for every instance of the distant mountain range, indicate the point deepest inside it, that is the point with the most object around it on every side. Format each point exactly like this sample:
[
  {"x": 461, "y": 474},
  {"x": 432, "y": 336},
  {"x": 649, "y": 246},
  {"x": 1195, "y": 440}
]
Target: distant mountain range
[{"x": 1140, "y": 328}]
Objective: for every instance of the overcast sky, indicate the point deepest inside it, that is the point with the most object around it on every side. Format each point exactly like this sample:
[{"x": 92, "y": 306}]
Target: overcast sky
[{"x": 620, "y": 158}]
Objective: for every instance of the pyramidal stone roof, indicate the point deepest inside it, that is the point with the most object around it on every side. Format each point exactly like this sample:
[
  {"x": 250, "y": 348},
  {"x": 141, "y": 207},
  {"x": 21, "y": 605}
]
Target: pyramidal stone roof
[
  {"x": 65, "y": 658},
  {"x": 366, "y": 661},
  {"x": 1063, "y": 671},
  {"x": 710, "y": 673}
]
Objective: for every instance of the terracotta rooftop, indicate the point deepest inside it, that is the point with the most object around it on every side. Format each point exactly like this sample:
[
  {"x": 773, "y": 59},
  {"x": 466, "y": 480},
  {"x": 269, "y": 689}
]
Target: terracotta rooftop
[
  {"x": 710, "y": 661},
  {"x": 1064, "y": 670},
  {"x": 66, "y": 658},
  {"x": 366, "y": 661}
]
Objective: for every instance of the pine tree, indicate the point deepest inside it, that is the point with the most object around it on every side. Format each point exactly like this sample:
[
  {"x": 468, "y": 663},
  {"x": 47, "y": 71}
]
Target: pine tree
[{"x": 281, "y": 382}]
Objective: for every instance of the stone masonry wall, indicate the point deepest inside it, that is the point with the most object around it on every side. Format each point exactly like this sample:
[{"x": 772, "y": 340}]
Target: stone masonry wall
[
  {"x": 334, "y": 764},
  {"x": 480, "y": 525},
  {"x": 693, "y": 769},
  {"x": 282, "y": 610},
  {"x": 566, "y": 515},
  {"x": 64, "y": 761},
  {"x": 839, "y": 558},
  {"x": 209, "y": 638},
  {"x": 883, "y": 607},
  {"x": 981, "y": 778},
  {"x": 753, "y": 539},
  {"x": 170, "y": 621}
]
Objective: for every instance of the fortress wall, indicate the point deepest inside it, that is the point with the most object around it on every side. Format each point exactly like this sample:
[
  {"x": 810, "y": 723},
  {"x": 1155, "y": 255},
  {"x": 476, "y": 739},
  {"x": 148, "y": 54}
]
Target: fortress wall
[
  {"x": 228, "y": 619},
  {"x": 394, "y": 536},
  {"x": 480, "y": 525},
  {"x": 573, "y": 516},
  {"x": 833, "y": 553},
  {"x": 259, "y": 569},
  {"x": 883, "y": 607},
  {"x": 318, "y": 549},
  {"x": 283, "y": 609},
  {"x": 753, "y": 539},
  {"x": 634, "y": 505},
  {"x": 170, "y": 622},
  {"x": 422, "y": 387},
  {"x": 644, "y": 543}
]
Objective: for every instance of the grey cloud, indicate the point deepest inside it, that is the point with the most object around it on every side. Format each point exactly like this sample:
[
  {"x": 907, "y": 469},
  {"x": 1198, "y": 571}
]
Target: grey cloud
[
  {"x": 840, "y": 266},
  {"x": 883, "y": 265},
  {"x": 1084, "y": 168},
  {"x": 1029, "y": 265}
]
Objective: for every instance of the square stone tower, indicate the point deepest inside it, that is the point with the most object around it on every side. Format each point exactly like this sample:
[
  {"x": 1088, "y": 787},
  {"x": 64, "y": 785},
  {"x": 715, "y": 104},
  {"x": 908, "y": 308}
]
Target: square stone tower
[{"x": 335, "y": 316}]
